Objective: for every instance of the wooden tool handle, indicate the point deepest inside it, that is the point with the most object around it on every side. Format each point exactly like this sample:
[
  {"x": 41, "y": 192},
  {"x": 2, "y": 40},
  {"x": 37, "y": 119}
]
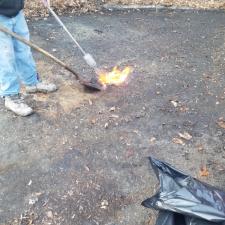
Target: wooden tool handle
[{"x": 34, "y": 46}]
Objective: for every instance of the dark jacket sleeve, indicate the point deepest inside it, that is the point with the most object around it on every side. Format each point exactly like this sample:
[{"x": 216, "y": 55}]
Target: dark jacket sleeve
[{"x": 11, "y": 8}]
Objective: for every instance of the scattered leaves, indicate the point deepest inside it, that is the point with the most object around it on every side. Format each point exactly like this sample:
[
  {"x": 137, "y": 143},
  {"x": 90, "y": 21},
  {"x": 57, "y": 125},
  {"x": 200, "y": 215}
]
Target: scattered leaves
[{"x": 35, "y": 8}]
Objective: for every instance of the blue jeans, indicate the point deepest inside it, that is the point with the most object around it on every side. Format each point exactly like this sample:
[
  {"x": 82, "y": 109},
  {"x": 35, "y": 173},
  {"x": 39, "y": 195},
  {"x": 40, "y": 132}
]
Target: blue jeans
[{"x": 16, "y": 60}]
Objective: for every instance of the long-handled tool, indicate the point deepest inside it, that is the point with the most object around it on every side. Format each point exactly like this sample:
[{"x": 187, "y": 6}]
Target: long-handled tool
[
  {"x": 93, "y": 83},
  {"x": 87, "y": 57}
]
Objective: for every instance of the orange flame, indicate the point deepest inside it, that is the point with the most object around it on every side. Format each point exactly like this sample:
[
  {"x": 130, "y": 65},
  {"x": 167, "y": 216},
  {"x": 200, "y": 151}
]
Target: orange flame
[{"x": 115, "y": 77}]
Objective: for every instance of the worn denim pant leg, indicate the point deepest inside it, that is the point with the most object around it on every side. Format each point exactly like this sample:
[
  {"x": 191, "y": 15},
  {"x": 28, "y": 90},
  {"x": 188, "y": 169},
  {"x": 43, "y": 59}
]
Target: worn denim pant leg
[{"x": 16, "y": 61}]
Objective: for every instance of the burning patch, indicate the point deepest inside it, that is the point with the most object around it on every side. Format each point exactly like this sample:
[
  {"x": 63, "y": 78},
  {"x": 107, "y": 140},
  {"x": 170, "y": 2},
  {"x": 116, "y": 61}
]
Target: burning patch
[{"x": 115, "y": 77}]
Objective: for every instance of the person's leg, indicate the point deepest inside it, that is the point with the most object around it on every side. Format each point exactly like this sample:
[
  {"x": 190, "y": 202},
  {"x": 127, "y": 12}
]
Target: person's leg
[
  {"x": 9, "y": 83},
  {"x": 9, "y": 80},
  {"x": 25, "y": 62}
]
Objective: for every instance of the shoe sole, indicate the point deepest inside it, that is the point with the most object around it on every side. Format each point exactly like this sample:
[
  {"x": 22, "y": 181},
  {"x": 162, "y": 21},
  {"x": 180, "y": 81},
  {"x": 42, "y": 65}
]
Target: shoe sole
[{"x": 18, "y": 114}]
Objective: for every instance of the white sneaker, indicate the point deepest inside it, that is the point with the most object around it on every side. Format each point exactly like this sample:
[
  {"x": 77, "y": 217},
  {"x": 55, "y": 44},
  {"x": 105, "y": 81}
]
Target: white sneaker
[
  {"x": 41, "y": 87},
  {"x": 16, "y": 104}
]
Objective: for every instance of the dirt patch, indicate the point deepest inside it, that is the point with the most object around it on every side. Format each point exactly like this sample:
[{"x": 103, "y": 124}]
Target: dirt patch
[{"x": 69, "y": 96}]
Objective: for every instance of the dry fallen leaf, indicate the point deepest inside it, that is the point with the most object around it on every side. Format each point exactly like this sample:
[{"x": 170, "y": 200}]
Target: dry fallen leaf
[
  {"x": 30, "y": 182},
  {"x": 184, "y": 109},
  {"x": 104, "y": 204},
  {"x": 136, "y": 131},
  {"x": 112, "y": 109},
  {"x": 90, "y": 102},
  {"x": 33, "y": 200},
  {"x": 185, "y": 135},
  {"x": 204, "y": 172},
  {"x": 87, "y": 168},
  {"x": 93, "y": 121},
  {"x": 175, "y": 104},
  {"x": 200, "y": 147},
  {"x": 152, "y": 140},
  {"x": 114, "y": 116},
  {"x": 221, "y": 123},
  {"x": 50, "y": 214},
  {"x": 178, "y": 141}
]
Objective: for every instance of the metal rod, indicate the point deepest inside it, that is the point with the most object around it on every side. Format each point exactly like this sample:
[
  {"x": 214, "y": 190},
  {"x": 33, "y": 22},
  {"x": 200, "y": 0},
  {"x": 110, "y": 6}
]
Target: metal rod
[{"x": 65, "y": 28}]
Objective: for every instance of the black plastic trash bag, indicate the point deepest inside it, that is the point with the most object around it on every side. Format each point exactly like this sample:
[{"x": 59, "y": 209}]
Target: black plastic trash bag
[
  {"x": 171, "y": 218},
  {"x": 184, "y": 200}
]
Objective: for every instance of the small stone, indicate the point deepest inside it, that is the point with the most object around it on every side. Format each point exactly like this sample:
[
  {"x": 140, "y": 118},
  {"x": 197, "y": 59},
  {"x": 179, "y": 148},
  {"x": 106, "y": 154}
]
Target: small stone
[
  {"x": 152, "y": 140},
  {"x": 104, "y": 204},
  {"x": 33, "y": 200},
  {"x": 112, "y": 109}
]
